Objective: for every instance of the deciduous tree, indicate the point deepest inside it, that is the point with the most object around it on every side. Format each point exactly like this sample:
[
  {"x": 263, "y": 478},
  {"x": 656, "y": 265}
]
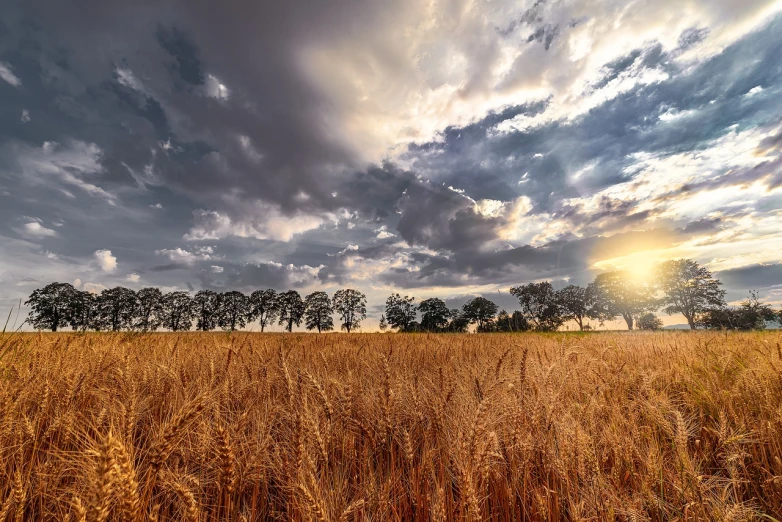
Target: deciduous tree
[
  {"x": 351, "y": 305},
  {"x": 232, "y": 310},
  {"x": 688, "y": 289},
  {"x": 539, "y": 305},
  {"x": 479, "y": 310},
  {"x": 434, "y": 315},
  {"x": 618, "y": 294},
  {"x": 116, "y": 309},
  {"x": 649, "y": 321},
  {"x": 178, "y": 311},
  {"x": 317, "y": 312},
  {"x": 291, "y": 308},
  {"x": 205, "y": 306},
  {"x": 264, "y": 307},
  {"x": 149, "y": 309},
  {"x": 400, "y": 311},
  {"x": 50, "y": 306},
  {"x": 576, "y": 303}
]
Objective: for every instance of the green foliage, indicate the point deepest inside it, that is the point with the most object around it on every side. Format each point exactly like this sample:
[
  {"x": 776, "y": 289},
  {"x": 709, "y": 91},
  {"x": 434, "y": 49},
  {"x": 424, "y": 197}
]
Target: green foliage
[
  {"x": 688, "y": 289},
  {"x": 576, "y": 304},
  {"x": 539, "y": 306}
]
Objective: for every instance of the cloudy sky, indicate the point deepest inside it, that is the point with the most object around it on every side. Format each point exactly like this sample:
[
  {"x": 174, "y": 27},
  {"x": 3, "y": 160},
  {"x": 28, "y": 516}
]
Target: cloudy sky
[{"x": 434, "y": 148}]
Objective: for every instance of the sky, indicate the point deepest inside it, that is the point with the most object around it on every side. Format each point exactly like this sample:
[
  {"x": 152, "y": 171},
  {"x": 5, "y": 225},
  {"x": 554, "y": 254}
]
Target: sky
[{"x": 450, "y": 149}]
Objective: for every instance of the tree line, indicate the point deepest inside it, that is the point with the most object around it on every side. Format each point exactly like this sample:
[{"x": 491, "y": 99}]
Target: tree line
[
  {"x": 60, "y": 305},
  {"x": 677, "y": 287}
]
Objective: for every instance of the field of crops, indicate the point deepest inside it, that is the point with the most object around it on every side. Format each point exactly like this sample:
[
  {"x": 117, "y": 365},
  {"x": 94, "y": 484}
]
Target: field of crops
[{"x": 603, "y": 426}]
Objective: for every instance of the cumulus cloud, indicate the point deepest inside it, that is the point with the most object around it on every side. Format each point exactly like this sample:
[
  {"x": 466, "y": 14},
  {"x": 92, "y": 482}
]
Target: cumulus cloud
[
  {"x": 106, "y": 261},
  {"x": 25, "y": 116},
  {"x": 188, "y": 257},
  {"x": 36, "y": 229},
  {"x": 262, "y": 222}
]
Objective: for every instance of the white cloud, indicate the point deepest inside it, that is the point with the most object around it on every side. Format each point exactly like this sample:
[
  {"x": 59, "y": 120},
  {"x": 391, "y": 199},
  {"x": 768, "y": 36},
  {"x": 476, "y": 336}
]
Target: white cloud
[
  {"x": 263, "y": 222},
  {"x": 25, "y": 116},
  {"x": 36, "y": 229},
  {"x": 157, "y": 205},
  {"x": 215, "y": 88},
  {"x": 7, "y": 75},
  {"x": 93, "y": 288},
  {"x": 128, "y": 79},
  {"x": 180, "y": 255},
  {"x": 133, "y": 278},
  {"x": 216, "y": 269},
  {"x": 106, "y": 261},
  {"x": 383, "y": 233}
]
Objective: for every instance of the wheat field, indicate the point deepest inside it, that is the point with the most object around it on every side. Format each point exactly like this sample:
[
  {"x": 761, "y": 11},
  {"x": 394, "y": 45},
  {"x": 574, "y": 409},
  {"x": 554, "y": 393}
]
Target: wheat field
[{"x": 248, "y": 427}]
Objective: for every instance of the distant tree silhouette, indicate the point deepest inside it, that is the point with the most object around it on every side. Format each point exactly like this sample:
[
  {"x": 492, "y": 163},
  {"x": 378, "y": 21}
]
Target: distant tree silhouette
[
  {"x": 618, "y": 294},
  {"x": 688, "y": 289},
  {"x": 317, "y": 312},
  {"x": 400, "y": 312},
  {"x": 206, "y": 303},
  {"x": 84, "y": 311},
  {"x": 383, "y": 324},
  {"x": 149, "y": 309},
  {"x": 351, "y": 305},
  {"x": 291, "y": 308},
  {"x": 264, "y": 307},
  {"x": 435, "y": 315},
  {"x": 233, "y": 310},
  {"x": 751, "y": 314},
  {"x": 177, "y": 314},
  {"x": 649, "y": 321},
  {"x": 116, "y": 309},
  {"x": 51, "y": 306},
  {"x": 458, "y": 322},
  {"x": 479, "y": 310},
  {"x": 540, "y": 305},
  {"x": 514, "y": 322},
  {"x": 576, "y": 304}
]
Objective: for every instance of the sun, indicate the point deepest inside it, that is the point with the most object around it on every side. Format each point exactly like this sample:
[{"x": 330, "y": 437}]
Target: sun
[{"x": 639, "y": 265}]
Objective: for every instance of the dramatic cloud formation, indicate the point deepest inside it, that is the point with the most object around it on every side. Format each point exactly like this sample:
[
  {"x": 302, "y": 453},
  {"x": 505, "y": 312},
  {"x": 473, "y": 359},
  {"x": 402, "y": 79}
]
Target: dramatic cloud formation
[{"x": 439, "y": 148}]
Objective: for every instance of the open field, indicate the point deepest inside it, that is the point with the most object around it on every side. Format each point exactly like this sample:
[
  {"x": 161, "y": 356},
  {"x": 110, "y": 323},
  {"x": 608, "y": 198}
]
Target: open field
[{"x": 604, "y": 426}]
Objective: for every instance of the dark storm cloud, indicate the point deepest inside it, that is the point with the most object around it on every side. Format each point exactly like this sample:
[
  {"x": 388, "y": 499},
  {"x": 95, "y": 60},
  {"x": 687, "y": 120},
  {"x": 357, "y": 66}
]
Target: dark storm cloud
[
  {"x": 753, "y": 277},
  {"x": 254, "y": 276}
]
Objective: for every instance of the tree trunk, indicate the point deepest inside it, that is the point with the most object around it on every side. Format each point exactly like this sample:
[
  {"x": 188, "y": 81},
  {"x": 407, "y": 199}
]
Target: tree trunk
[
  {"x": 691, "y": 322},
  {"x": 629, "y": 320},
  {"x": 580, "y": 322}
]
